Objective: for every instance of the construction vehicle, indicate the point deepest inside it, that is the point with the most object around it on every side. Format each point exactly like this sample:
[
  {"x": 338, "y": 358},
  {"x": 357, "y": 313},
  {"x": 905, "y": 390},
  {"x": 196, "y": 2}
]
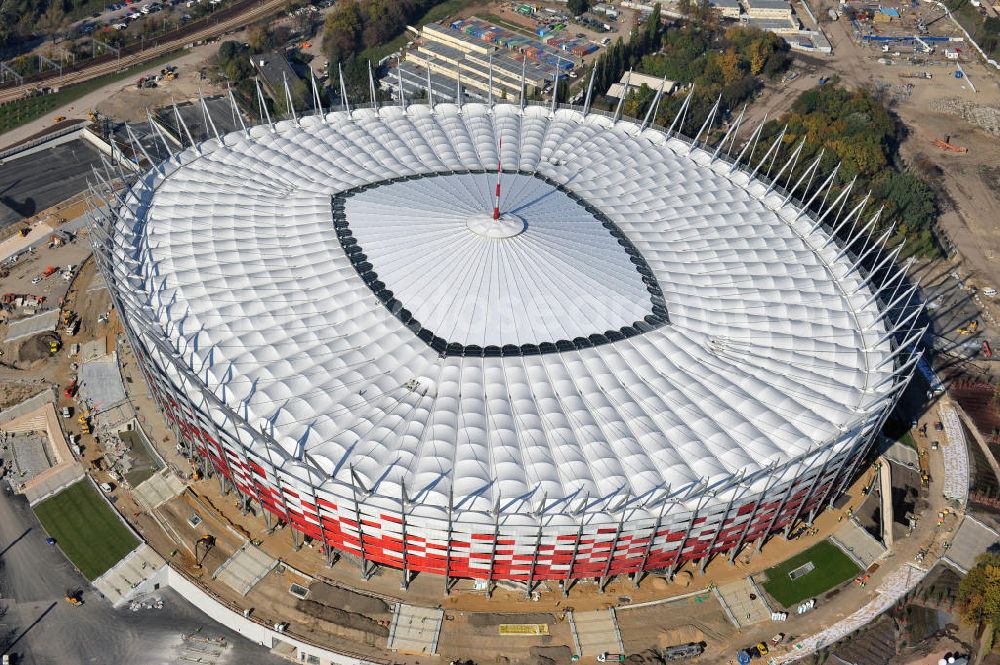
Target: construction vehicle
[
  {"x": 683, "y": 651},
  {"x": 968, "y": 329},
  {"x": 205, "y": 544},
  {"x": 54, "y": 347},
  {"x": 92, "y": 116},
  {"x": 74, "y": 598},
  {"x": 987, "y": 351},
  {"x": 943, "y": 145},
  {"x": 50, "y": 270},
  {"x": 58, "y": 119},
  {"x": 70, "y": 390}
]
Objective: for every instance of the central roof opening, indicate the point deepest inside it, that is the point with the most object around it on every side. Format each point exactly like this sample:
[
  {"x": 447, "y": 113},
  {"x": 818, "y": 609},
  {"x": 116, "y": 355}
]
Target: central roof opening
[{"x": 553, "y": 273}]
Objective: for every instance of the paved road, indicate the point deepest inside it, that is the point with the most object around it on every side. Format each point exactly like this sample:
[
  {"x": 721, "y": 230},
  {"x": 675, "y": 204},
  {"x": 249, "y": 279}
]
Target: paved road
[{"x": 42, "y": 629}]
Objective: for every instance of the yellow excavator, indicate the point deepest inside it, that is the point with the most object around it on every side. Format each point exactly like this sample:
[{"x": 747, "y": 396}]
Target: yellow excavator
[{"x": 969, "y": 329}]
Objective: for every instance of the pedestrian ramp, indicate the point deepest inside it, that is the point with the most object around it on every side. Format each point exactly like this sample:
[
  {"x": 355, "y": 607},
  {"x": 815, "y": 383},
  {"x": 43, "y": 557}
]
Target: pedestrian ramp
[
  {"x": 415, "y": 629},
  {"x": 858, "y": 544},
  {"x": 247, "y": 566},
  {"x": 157, "y": 489},
  {"x": 595, "y": 632},
  {"x": 743, "y": 602},
  {"x": 127, "y": 577}
]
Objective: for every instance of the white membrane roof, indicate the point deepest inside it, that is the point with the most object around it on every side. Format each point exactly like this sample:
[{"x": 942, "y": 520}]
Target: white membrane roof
[
  {"x": 770, "y": 350},
  {"x": 559, "y": 275}
]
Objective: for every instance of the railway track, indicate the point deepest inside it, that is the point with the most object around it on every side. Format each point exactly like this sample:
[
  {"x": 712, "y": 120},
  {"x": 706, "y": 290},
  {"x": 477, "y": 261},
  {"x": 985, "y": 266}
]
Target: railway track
[{"x": 111, "y": 66}]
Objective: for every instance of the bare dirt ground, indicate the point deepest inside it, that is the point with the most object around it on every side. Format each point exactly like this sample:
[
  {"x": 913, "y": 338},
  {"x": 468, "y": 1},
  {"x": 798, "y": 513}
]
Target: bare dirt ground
[{"x": 123, "y": 101}]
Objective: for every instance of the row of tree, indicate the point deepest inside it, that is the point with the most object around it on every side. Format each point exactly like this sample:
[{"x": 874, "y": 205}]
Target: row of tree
[
  {"x": 354, "y": 26},
  {"x": 855, "y": 130}
]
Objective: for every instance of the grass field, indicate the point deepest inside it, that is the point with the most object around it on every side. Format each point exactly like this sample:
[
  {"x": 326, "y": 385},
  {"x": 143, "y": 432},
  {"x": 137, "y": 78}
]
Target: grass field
[
  {"x": 88, "y": 531},
  {"x": 832, "y": 568}
]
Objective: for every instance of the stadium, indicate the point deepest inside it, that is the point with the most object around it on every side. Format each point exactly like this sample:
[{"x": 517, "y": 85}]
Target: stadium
[{"x": 507, "y": 342}]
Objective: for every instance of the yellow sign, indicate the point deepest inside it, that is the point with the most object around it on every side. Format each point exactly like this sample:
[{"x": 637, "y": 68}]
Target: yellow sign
[{"x": 524, "y": 629}]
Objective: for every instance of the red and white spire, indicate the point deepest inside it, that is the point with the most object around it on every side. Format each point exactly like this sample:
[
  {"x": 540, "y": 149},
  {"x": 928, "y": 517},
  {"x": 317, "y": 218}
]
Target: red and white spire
[{"x": 496, "y": 202}]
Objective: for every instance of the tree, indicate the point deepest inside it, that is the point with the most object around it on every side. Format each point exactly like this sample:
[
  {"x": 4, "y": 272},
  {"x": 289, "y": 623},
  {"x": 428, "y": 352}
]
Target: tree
[
  {"x": 54, "y": 18},
  {"x": 259, "y": 39},
  {"x": 577, "y": 7},
  {"x": 979, "y": 591}
]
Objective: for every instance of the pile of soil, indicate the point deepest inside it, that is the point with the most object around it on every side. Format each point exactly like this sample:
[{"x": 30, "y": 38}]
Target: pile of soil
[
  {"x": 331, "y": 596},
  {"x": 551, "y": 655},
  {"x": 337, "y": 616},
  {"x": 36, "y": 348}
]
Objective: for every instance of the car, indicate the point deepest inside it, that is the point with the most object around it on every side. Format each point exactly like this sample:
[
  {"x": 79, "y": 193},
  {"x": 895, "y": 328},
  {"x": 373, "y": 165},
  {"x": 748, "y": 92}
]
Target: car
[
  {"x": 36, "y": 279},
  {"x": 120, "y": 26},
  {"x": 107, "y": 487},
  {"x": 990, "y": 292},
  {"x": 67, "y": 412}
]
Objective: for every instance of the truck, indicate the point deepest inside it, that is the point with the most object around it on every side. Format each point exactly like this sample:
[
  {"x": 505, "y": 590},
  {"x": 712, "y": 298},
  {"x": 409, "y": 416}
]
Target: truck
[
  {"x": 834, "y": 14},
  {"x": 684, "y": 651}
]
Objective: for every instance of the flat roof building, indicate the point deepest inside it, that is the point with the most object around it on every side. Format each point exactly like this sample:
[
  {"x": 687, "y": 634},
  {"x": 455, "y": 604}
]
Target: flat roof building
[
  {"x": 727, "y": 8},
  {"x": 636, "y": 80},
  {"x": 775, "y": 9}
]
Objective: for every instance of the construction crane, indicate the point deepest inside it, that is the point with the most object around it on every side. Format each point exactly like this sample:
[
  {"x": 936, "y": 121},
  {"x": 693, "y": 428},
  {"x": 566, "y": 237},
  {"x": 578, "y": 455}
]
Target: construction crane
[
  {"x": 205, "y": 543},
  {"x": 969, "y": 329}
]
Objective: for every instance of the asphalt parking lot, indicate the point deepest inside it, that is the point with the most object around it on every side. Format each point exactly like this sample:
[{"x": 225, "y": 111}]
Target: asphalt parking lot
[
  {"x": 38, "y": 625},
  {"x": 40, "y": 180}
]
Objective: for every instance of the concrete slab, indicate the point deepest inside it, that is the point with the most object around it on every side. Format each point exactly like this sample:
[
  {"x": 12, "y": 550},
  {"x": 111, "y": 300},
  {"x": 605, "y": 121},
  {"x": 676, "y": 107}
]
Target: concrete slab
[
  {"x": 26, "y": 454},
  {"x": 596, "y": 632},
  {"x": 972, "y": 539},
  {"x": 125, "y": 577},
  {"x": 33, "y": 403},
  {"x": 101, "y": 384},
  {"x": 247, "y": 566},
  {"x": 44, "y": 322},
  {"x": 157, "y": 489},
  {"x": 743, "y": 610},
  {"x": 415, "y": 629},
  {"x": 52, "y": 482},
  {"x": 94, "y": 349},
  {"x": 858, "y": 544}
]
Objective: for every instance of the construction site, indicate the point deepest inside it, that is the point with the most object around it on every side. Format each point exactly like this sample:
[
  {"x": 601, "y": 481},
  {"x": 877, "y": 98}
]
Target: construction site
[{"x": 902, "y": 522}]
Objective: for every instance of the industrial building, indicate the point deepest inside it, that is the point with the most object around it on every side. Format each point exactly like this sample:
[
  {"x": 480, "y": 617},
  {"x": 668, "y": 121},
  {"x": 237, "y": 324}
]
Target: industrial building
[
  {"x": 449, "y": 54},
  {"x": 503, "y": 342}
]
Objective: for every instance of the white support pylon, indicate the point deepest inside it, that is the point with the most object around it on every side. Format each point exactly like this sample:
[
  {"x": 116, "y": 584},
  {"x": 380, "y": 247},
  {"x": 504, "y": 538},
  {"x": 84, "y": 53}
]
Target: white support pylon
[
  {"x": 208, "y": 117},
  {"x": 621, "y": 100},
  {"x": 681, "y": 113},
  {"x": 654, "y": 105},
  {"x": 343, "y": 90},
  {"x": 524, "y": 83},
  {"x": 730, "y": 133},
  {"x": 789, "y": 164},
  {"x": 236, "y": 111},
  {"x": 317, "y": 104},
  {"x": 590, "y": 90},
  {"x": 263, "y": 105},
  {"x": 155, "y": 129},
  {"x": 826, "y": 183},
  {"x": 371, "y": 86},
  {"x": 489, "y": 100},
  {"x": 773, "y": 148},
  {"x": 288, "y": 98},
  {"x": 751, "y": 144},
  {"x": 707, "y": 125},
  {"x": 555, "y": 88},
  {"x": 430, "y": 91},
  {"x": 182, "y": 124}
]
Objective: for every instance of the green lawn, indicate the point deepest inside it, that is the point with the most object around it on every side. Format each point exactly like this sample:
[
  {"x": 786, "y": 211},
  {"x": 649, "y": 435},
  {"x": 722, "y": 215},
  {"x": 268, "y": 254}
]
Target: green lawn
[
  {"x": 833, "y": 567},
  {"x": 89, "y": 532}
]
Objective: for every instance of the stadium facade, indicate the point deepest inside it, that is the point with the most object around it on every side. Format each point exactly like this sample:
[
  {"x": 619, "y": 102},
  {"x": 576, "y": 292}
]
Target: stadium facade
[{"x": 653, "y": 357}]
